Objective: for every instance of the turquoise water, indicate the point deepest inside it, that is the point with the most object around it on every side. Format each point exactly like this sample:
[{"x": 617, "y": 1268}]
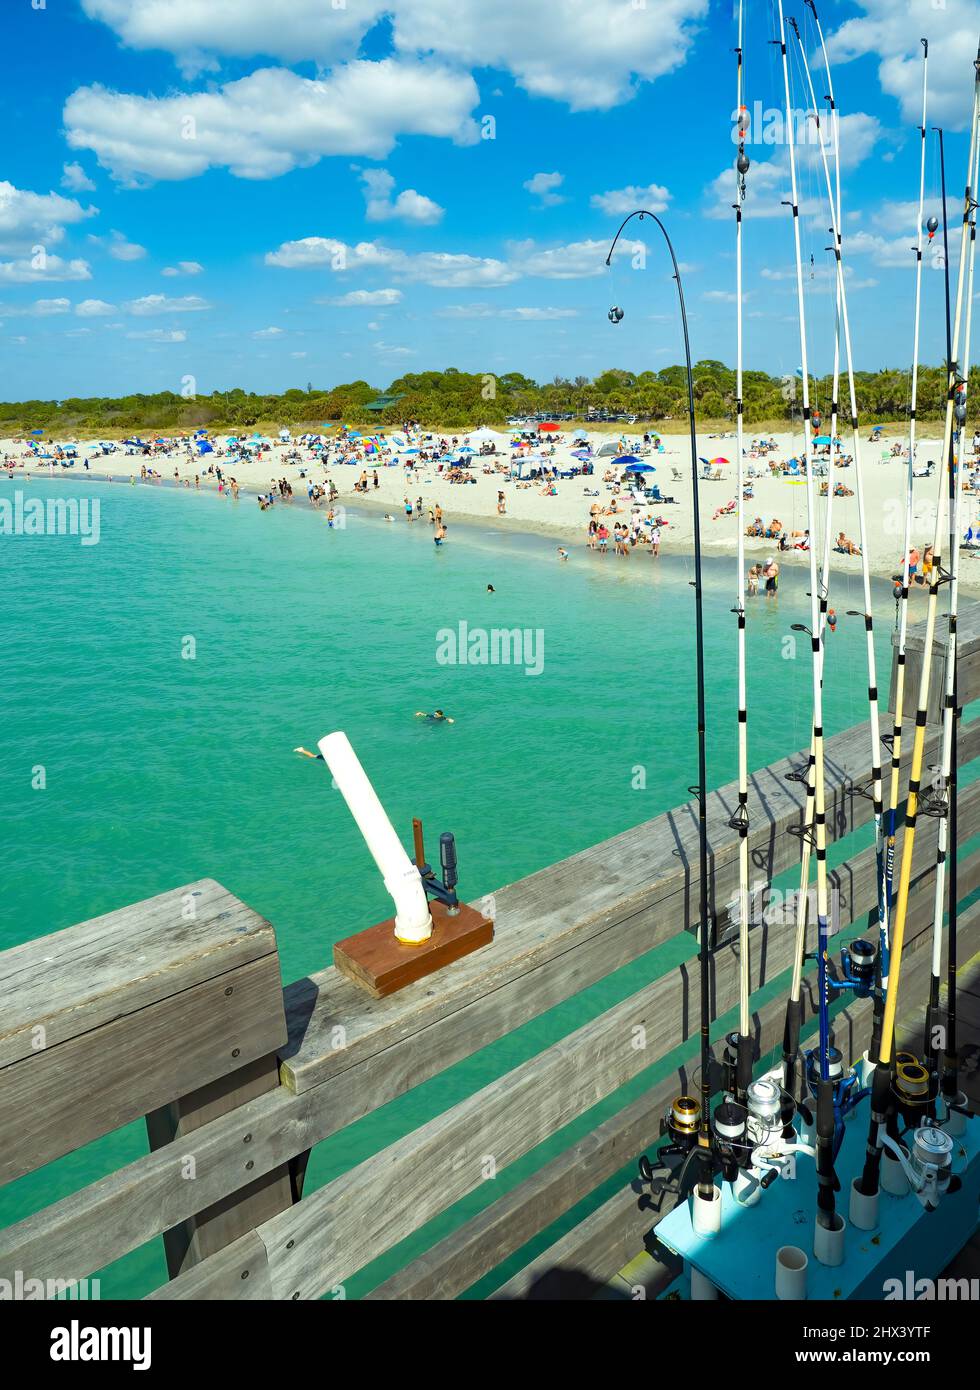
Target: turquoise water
[{"x": 161, "y": 769}]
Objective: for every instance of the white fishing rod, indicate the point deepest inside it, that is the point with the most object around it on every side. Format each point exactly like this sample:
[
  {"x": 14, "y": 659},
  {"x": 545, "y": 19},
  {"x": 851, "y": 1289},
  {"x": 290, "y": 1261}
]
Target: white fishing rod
[
  {"x": 791, "y": 1032},
  {"x": 874, "y": 721},
  {"x": 743, "y": 1044},
  {"x": 882, "y": 1100},
  {"x": 828, "y": 1224},
  {"x": 944, "y": 802},
  {"x": 903, "y": 611}
]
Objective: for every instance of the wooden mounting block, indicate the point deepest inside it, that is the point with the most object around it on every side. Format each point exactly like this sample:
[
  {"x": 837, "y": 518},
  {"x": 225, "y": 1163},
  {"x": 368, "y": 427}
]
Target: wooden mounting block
[{"x": 377, "y": 961}]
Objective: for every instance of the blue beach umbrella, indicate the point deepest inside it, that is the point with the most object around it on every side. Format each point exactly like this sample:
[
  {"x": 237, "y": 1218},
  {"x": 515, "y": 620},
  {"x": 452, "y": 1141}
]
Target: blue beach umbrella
[
  {"x": 640, "y": 468},
  {"x": 37, "y": 431},
  {"x": 626, "y": 458}
]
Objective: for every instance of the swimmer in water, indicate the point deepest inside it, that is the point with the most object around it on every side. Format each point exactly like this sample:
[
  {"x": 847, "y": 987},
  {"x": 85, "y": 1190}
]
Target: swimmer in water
[
  {"x": 307, "y": 754},
  {"x": 491, "y": 589},
  {"x": 437, "y": 717},
  {"x": 562, "y": 553}
]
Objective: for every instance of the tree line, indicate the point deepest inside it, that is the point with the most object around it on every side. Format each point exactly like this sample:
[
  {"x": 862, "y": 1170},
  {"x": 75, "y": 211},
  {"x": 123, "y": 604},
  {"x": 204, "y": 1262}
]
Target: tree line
[{"x": 454, "y": 400}]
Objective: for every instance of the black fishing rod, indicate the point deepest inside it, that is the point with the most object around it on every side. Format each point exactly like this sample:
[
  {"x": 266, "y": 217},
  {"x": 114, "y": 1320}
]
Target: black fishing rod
[{"x": 705, "y": 1140}]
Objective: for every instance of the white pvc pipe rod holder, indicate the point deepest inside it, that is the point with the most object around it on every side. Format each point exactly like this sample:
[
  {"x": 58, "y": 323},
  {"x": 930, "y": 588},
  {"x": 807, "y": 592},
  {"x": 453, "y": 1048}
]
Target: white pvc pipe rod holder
[
  {"x": 828, "y": 1242},
  {"x": 702, "y": 1289},
  {"x": 706, "y": 1213},
  {"x": 413, "y": 921},
  {"x": 955, "y": 1122},
  {"x": 791, "y": 1267},
  {"x": 892, "y": 1176},
  {"x": 863, "y": 1210}
]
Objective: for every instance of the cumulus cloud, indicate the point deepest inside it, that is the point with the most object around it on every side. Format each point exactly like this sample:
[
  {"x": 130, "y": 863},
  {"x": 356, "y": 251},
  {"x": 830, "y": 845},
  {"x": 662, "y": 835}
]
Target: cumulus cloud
[
  {"x": 407, "y": 206},
  {"x": 591, "y": 54},
  {"x": 120, "y": 248},
  {"x": 447, "y": 270},
  {"x": 183, "y": 268},
  {"x": 520, "y": 315},
  {"x": 544, "y": 187},
  {"x": 161, "y": 304},
  {"x": 890, "y": 33},
  {"x": 94, "y": 308},
  {"x": 41, "y": 308},
  {"x": 74, "y": 178},
  {"x": 620, "y": 202},
  {"x": 43, "y": 267},
  {"x": 28, "y": 218},
  {"x": 268, "y": 333},
  {"x": 358, "y": 299},
  {"x": 359, "y": 109},
  {"x": 160, "y": 335}
]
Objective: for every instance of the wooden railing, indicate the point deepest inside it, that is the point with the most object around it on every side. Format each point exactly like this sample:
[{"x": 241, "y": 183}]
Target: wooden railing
[{"x": 173, "y": 1009}]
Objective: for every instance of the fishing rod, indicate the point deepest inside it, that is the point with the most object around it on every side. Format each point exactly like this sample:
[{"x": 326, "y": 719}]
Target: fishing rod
[
  {"x": 794, "y": 1012},
  {"x": 741, "y": 1043},
  {"x": 828, "y": 1223},
  {"x": 705, "y": 1148},
  {"x": 874, "y": 722},
  {"x": 943, "y": 803},
  {"x": 891, "y": 816},
  {"x": 883, "y": 1102}
]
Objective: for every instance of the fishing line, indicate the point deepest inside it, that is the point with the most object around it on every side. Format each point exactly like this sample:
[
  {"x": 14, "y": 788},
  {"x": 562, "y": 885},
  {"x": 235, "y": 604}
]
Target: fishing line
[{"x": 883, "y": 1103}]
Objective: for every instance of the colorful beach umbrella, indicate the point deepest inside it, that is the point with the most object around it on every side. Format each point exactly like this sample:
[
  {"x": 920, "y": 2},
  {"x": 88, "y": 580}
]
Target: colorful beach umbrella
[{"x": 547, "y": 427}]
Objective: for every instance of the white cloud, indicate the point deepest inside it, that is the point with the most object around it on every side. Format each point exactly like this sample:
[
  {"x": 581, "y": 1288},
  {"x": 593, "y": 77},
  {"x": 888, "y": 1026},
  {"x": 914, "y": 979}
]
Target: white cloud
[
  {"x": 359, "y": 109},
  {"x": 357, "y": 299},
  {"x": 722, "y": 296},
  {"x": 544, "y": 186},
  {"x": 94, "y": 308},
  {"x": 41, "y": 308},
  {"x": 75, "y": 179},
  {"x": 28, "y": 270},
  {"x": 29, "y": 218},
  {"x": 447, "y": 270},
  {"x": 393, "y": 350},
  {"x": 620, "y": 202},
  {"x": 890, "y": 33},
  {"x": 160, "y": 335},
  {"x": 122, "y": 250},
  {"x": 521, "y": 315},
  {"x": 297, "y": 354},
  {"x": 408, "y": 206},
  {"x": 183, "y": 268},
  {"x": 591, "y": 54},
  {"x": 161, "y": 304},
  {"x": 268, "y": 333}
]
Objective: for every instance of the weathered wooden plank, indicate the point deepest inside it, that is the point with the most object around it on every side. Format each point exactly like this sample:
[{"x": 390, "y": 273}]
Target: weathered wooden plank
[
  {"x": 239, "y": 1271},
  {"x": 639, "y": 886},
  {"x": 74, "y": 980},
  {"x": 968, "y": 661},
  {"x": 60, "y": 1098},
  {"x": 239, "y": 1212}
]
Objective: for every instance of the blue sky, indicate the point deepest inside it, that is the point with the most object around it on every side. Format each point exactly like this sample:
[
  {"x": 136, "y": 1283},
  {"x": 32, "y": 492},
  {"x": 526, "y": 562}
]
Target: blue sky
[{"x": 259, "y": 194}]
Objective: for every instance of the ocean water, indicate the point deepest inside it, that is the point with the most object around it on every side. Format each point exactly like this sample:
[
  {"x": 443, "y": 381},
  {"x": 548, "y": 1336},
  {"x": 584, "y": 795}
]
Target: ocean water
[{"x": 162, "y": 677}]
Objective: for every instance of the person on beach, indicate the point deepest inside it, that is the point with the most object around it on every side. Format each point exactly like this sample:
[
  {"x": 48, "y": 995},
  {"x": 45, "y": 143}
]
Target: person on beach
[
  {"x": 752, "y": 581},
  {"x": 501, "y": 503},
  {"x": 440, "y": 535},
  {"x": 770, "y": 577},
  {"x": 408, "y": 510},
  {"x": 603, "y": 539},
  {"x": 655, "y": 542},
  {"x": 846, "y": 546},
  {"x": 438, "y": 514},
  {"x": 562, "y": 553}
]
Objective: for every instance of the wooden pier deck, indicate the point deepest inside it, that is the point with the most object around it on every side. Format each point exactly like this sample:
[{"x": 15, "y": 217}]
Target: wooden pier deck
[{"x": 174, "y": 1009}]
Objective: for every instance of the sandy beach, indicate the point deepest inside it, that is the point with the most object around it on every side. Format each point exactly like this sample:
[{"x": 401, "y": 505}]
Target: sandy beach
[{"x": 564, "y": 515}]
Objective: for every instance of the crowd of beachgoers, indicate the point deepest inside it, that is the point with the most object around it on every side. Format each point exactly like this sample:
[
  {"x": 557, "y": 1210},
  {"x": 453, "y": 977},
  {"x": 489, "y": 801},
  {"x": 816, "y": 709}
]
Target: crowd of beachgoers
[{"x": 617, "y": 494}]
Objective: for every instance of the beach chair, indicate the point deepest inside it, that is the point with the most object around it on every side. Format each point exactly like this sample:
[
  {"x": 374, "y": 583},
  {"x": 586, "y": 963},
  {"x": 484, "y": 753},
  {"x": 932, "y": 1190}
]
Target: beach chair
[{"x": 677, "y": 475}]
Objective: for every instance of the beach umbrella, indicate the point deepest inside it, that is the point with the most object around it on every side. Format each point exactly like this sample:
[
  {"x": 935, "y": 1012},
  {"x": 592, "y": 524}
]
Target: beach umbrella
[
  {"x": 465, "y": 449},
  {"x": 580, "y": 434},
  {"x": 641, "y": 468},
  {"x": 581, "y": 453},
  {"x": 719, "y": 461},
  {"x": 626, "y": 458},
  {"x": 547, "y": 427}
]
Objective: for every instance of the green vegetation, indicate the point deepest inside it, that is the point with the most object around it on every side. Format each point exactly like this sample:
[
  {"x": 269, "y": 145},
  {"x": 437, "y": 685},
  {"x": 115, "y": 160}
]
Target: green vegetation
[{"x": 454, "y": 400}]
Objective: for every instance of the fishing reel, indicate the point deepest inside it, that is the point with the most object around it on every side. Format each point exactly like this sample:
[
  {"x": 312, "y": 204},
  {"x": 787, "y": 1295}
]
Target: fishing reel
[
  {"x": 668, "y": 1172},
  {"x": 928, "y": 1165},
  {"x": 858, "y": 963},
  {"x": 847, "y": 1091},
  {"x": 912, "y": 1087},
  {"x": 737, "y": 1061}
]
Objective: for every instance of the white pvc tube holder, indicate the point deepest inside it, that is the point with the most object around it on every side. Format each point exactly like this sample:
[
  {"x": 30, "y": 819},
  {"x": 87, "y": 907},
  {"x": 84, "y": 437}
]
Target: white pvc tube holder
[
  {"x": 746, "y": 1187},
  {"x": 863, "y": 1211},
  {"x": 702, "y": 1289},
  {"x": 955, "y": 1122},
  {"x": 791, "y": 1267},
  {"x": 828, "y": 1241},
  {"x": 893, "y": 1179},
  {"x": 413, "y": 921},
  {"x": 706, "y": 1213},
  {"x": 865, "y": 1070}
]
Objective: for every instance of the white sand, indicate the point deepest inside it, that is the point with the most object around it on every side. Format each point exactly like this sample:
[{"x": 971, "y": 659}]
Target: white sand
[{"x": 566, "y": 515}]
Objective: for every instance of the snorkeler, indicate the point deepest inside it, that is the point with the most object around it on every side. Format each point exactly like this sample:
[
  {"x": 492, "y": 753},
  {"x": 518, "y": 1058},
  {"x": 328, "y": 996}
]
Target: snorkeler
[{"x": 434, "y": 718}]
